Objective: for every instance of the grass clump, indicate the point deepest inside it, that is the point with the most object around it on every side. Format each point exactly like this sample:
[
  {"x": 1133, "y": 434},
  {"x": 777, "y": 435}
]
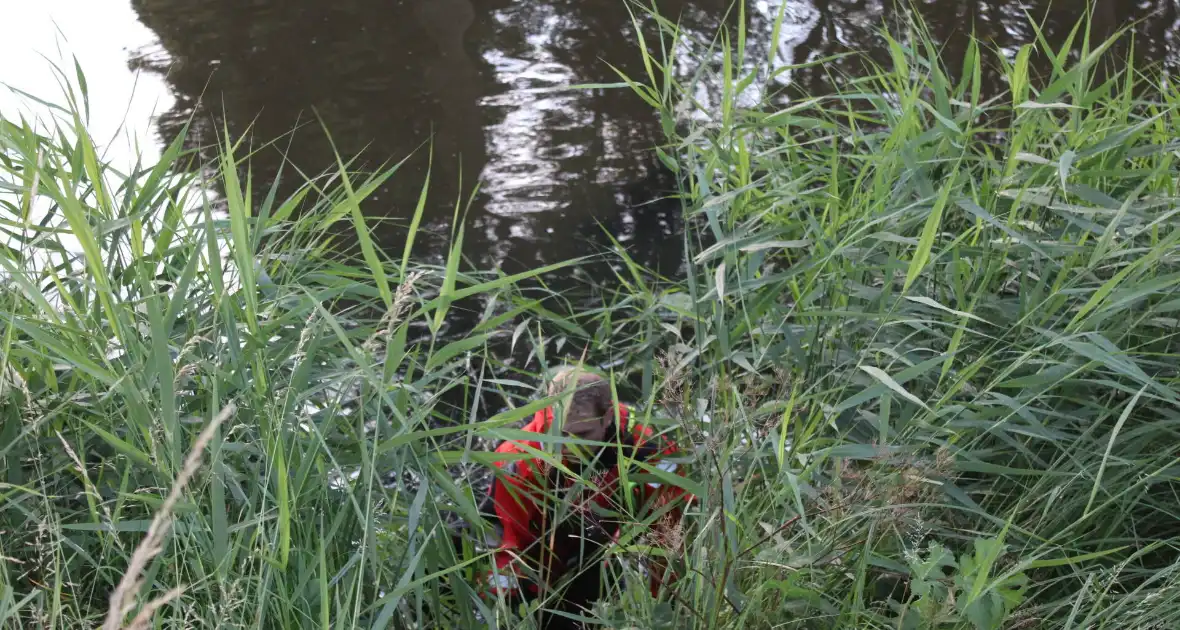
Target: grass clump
[
  {"x": 137, "y": 304},
  {"x": 922, "y": 361},
  {"x": 934, "y": 334}
]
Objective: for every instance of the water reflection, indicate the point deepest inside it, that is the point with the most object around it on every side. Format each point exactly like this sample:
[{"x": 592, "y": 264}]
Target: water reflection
[
  {"x": 1001, "y": 25},
  {"x": 477, "y": 79},
  {"x": 122, "y": 103}
]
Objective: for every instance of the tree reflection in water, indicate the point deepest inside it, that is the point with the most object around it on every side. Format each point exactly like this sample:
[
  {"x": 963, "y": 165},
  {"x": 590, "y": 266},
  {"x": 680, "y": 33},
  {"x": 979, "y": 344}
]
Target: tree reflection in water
[{"x": 474, "y": 77}]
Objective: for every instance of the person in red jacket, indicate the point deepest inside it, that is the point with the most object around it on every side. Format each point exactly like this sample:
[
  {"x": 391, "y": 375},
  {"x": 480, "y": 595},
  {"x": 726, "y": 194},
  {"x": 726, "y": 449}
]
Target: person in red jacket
[{"x": 553, "y": 524}]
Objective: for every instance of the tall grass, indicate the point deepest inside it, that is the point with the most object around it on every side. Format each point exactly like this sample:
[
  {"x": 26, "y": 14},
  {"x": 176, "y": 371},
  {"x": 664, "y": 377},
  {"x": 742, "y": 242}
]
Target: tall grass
[
  {"x": 921, "y": 362},
  {"x": 937, "y": 328},
  {"x": 138, "y": 304}
]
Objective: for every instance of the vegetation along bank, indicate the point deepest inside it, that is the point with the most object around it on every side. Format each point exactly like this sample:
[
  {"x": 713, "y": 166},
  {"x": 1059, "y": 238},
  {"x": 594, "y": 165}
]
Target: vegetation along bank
[{"x": 922, "y": 354}]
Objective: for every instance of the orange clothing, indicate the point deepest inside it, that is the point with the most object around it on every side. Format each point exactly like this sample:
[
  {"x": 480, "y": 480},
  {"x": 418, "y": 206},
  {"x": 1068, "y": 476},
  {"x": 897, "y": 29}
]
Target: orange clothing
[{"x": 540, "y": 540}]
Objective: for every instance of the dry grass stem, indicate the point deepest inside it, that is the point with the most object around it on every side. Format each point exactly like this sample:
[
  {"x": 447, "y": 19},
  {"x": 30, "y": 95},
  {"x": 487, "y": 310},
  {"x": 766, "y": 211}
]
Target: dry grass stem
[{"x": 123, "y": 597}]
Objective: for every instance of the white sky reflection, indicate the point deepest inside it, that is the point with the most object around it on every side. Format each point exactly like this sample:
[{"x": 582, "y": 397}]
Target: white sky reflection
[{"x": 104, "y": 35}]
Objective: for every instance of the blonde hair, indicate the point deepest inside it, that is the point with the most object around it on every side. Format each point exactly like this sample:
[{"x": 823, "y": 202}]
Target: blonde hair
[{"x": 591, "y": 398}]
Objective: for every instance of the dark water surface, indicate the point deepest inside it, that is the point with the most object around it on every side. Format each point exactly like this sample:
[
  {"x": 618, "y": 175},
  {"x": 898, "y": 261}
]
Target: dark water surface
[{"x": 387, "y": 76}]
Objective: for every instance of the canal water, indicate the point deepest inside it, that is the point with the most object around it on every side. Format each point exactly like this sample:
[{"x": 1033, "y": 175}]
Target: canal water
[{"x": 479, "y": 79}]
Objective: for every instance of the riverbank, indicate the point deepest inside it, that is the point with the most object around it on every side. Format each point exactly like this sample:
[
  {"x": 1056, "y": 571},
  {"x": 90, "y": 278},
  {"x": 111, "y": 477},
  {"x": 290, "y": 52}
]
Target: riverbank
[{"x": 926, "y": 365}]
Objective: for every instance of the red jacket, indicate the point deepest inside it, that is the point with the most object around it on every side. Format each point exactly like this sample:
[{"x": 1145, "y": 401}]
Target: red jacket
[{"x": 524, "y": 502}]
